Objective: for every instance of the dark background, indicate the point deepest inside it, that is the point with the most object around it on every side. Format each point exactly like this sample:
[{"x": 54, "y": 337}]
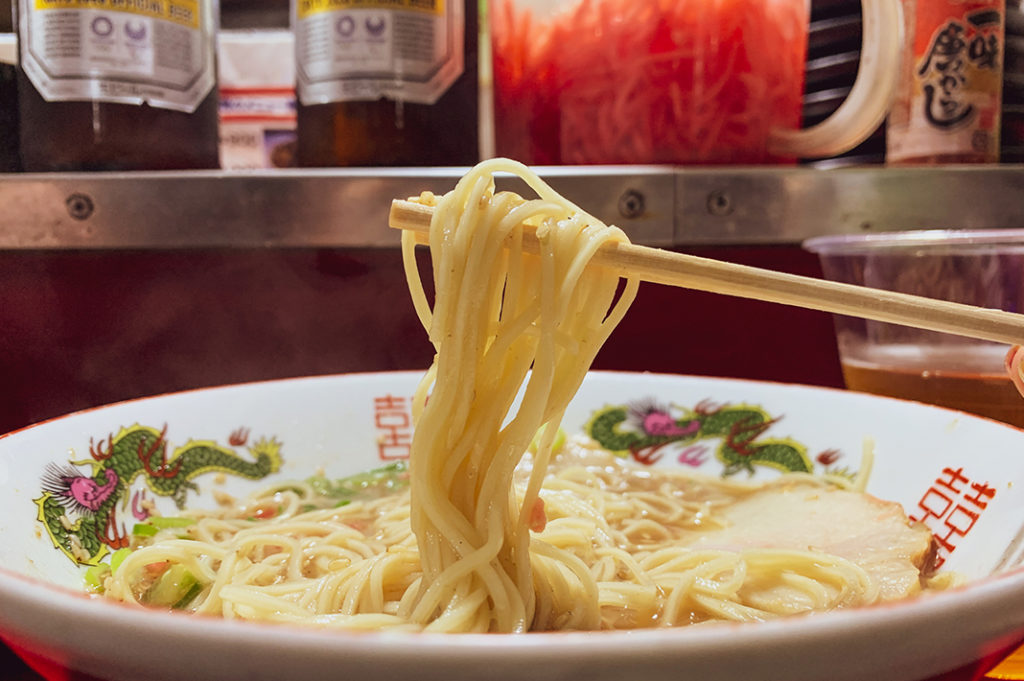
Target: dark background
[{"x": 80, "y": 329}]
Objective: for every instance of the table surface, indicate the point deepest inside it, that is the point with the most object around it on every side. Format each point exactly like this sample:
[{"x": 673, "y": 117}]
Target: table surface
[{"x": 13, "y": 669}]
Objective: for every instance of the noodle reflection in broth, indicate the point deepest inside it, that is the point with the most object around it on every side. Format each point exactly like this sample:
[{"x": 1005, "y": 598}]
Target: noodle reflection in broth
[{"x": 473, "y": 538}]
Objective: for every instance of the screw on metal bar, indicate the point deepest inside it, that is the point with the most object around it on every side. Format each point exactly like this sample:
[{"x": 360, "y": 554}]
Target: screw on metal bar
[
  {"x": 631, "y": 204},
  {"x": 80, "y": 206},
  {"x": 719, "y": 203}
]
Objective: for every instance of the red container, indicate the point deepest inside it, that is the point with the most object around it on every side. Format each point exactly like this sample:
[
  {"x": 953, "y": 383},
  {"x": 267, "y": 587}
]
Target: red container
[{"x": 669, "y": 81}]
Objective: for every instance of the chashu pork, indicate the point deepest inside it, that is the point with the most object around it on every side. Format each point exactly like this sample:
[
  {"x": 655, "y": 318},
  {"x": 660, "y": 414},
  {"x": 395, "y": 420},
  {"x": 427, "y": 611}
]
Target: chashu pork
[{"x": 876, "y": 535}]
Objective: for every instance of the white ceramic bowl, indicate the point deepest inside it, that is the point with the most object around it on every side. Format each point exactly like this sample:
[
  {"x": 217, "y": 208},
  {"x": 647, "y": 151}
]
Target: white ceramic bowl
[{"x": 954, "y": 471}]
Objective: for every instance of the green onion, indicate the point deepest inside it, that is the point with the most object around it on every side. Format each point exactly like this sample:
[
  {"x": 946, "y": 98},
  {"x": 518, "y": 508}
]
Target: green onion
[
  {"x": 117, "y": 558},
  {"x": 175, "y": 588},
  {"x": 157, "y": 523},
  {"x": 556, "y": 444},
  {"x": 144, "y": 530},
  {"x": 94, "y": 576},
  {"x": 368, "y": 485},
  {"x": 165, "y": 522},
  {"x": 192, "y": 592}
]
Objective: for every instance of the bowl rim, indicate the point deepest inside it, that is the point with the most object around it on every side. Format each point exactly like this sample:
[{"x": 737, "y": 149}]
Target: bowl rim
[{"x": 36, "y": 592}]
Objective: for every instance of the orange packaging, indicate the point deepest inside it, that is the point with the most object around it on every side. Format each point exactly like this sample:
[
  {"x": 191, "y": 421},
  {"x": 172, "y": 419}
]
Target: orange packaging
[{"x": 947, "y": 107}]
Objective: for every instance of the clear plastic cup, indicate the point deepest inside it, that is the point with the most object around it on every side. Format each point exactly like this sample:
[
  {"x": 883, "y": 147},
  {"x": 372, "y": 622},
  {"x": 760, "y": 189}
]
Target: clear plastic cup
[
  {"x": 675, "y": 81},
  {"x": 983, "y": 268}
]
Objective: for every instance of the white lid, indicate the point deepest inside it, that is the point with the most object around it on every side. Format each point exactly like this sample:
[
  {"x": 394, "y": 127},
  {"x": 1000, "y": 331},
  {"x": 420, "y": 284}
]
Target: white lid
[{"x": 256, "y": 58}]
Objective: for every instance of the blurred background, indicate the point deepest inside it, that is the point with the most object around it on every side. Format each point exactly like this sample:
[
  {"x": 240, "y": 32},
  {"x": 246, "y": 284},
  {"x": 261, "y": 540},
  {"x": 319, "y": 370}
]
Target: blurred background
[{"x": 118, "y": 286}]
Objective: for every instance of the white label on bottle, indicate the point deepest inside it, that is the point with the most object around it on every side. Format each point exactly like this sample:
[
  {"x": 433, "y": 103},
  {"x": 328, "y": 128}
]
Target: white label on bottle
[
  {"x": 349, "y": 50},
  {"x": 158, "y": 52}
]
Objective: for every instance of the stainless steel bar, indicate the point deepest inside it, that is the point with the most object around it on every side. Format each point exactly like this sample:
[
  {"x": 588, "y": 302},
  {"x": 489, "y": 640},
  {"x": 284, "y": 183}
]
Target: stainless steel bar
[
  {"x": 787, "y": 205},
  {"x": 657, "y": 206}
]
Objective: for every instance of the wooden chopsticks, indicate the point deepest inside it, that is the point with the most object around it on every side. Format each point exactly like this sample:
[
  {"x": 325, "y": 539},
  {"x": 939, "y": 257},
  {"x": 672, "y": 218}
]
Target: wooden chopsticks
[{"x": 704, "y": 274}]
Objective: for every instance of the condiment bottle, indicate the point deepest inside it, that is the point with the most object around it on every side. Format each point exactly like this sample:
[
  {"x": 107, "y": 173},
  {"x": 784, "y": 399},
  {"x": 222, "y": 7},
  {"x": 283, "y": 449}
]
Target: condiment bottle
[
  {"x": 117, "y": 84},
  {"x": 948, "y": 103},
  {"x": 386, "y": 83}
]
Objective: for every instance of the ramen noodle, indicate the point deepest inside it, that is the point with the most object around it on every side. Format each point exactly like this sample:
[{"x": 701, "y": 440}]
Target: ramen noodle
[{"x": 472, "y": 537}]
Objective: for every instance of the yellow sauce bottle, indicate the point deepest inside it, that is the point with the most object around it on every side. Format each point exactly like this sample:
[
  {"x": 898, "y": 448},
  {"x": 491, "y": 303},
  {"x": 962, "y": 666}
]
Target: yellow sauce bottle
[
  {"x": 117, "y": 84},
  {"x": 386, "y": 83}
]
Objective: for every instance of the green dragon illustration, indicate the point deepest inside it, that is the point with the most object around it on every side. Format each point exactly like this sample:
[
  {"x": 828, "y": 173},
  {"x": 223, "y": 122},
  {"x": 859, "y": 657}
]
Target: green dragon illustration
[
  {"x": 739, "y": 427},
  {"x": 79, "y": 511}
]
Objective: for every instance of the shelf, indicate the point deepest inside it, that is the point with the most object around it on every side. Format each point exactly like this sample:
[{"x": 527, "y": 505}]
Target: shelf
[{"x": 659, "y": 206}]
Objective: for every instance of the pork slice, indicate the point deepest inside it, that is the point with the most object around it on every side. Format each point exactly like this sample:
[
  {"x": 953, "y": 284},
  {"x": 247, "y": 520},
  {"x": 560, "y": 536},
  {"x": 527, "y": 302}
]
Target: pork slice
[{"x": 874, "y": 534}]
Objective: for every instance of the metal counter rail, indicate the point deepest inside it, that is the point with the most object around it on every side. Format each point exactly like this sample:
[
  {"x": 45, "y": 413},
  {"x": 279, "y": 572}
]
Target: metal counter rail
[{"x": 658, "y": 206}]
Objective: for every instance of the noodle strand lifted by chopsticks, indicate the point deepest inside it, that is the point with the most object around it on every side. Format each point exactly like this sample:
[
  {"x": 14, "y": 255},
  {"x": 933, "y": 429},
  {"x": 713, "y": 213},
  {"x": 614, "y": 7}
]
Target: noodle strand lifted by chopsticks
[{"x": 503, "y": 323}]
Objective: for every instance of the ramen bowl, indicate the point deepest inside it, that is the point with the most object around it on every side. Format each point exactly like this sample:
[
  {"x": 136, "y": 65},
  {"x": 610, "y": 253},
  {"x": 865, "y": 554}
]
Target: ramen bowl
[{"x": 71, "y": 488}]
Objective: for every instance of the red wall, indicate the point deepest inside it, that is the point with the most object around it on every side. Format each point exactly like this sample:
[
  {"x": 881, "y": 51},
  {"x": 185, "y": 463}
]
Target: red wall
[{"x": 86, "y": 328}]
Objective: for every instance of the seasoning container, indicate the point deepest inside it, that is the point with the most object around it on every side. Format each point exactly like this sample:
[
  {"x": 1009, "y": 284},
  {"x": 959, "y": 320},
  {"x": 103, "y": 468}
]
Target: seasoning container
[
  {"x": 386, "y": 82},
  {"x": 948, "y": 104},
  {"x": 256, "y": 81},
  {"x": 117, "y": 84},
  {"x": 627, "y": 82}
]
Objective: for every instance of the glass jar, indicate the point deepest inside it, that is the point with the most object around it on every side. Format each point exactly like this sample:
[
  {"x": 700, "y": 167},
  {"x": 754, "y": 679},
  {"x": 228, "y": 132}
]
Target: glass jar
[{"x": 674, "y": 81}]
